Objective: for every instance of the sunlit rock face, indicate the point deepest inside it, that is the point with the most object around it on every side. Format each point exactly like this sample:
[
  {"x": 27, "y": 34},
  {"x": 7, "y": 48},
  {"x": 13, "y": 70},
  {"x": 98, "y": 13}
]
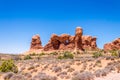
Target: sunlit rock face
[
  {"x": 68, "y": 42},
  {"x": 36, "y": 43},
  {"x": 114, "y": 45}
]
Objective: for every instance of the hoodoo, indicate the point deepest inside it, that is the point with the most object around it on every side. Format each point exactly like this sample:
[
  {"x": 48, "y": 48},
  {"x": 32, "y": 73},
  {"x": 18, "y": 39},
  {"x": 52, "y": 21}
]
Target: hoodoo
[
  {"x": 36, "y": 43},
  {"x": 66, "y": 42}
]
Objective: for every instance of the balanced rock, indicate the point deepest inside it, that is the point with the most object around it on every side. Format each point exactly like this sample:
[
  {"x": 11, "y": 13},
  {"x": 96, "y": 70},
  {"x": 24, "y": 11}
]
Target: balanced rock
[
  {"x": 36, "y": 42},
  {"x": 115, "y": 45}
]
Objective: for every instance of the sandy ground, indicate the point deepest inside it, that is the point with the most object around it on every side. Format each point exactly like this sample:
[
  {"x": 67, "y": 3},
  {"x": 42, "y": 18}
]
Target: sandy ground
[{"x": 48, "y": 66}]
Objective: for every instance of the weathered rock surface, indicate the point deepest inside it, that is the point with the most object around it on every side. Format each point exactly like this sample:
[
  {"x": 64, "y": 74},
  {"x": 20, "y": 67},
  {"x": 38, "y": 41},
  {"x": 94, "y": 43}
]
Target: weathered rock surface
[
  {"x": 78, "y": 38},
  {"x": 65, "y": 42},
  {"x": 36, "y": 43},
  {"x": 89, "y": 42},
  {"x": 68, "y": 42},
  {"x": 115, "y": 45}
]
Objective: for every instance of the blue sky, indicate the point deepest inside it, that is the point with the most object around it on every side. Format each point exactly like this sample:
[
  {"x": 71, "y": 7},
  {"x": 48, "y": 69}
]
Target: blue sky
[{"x": 21, "y": 19}]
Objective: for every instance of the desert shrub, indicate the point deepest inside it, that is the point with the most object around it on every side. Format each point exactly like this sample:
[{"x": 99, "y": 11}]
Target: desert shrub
[
  {"x": 8, "y": 66},
  {"x": 118, "y": 68},
  {"x": 31, "y": 67},
  {"x": 97, "y": 54},
  {"x": 16, "y": 57},
  {"x": 101, "y": 72},
  {"x": 83, "y": 76},
  {"x": 54, "y": 53},
  {"x": 28, "y": 75},
  {"x": 70, "y": 70},
  {"x": 98, "y": 63},
  {"x": 41, "y": 54},
  {"x": 75, "y": 73},
  {"x": 66, "y": 66},
  {"x": 77, "y": 52},
  {"x": 62, "y": 73},
  {"x": 33, "y": 54},
  {"x": 8, "y": 75},
  {"x": 17, "y": 77},
  {"x": 66, "y": 55},
  {"x": 56, "y": 69},
  {"x": 27, "y": 57},
  {"x": 36, "y": 65},
  {"x": 60, "y": 57},
  {"x": 110, "y": 67},
  {"x": 44, "y": 76},
  {"x": 110, "y": 57},
  {"x": 114, "y": 53}
]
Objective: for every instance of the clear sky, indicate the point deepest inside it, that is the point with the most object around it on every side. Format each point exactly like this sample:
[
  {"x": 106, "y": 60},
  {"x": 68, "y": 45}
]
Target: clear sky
[{"x": 21, "y": 19}]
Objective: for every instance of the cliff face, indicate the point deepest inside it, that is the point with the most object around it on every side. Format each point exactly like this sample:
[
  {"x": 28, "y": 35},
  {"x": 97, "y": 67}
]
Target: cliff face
[
  {"x": 66, "y": 42},
  {"x": 114, "y": 45}
]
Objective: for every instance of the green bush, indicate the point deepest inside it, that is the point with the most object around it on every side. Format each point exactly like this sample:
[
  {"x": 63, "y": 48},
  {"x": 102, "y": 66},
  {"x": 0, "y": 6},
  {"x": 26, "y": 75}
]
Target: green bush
[
  {"x": 66, "y": 55},
  {"x": 8, "y": 66},
  {"x": 54, "y": 53},
  {"x": 27, "y": 57},
  {"x": 60, "y": 57},
  {"x": 41, "y": 54},
  {"x": 114, "y": 53},
  {"x": 97, "y": 54},
  {"x": 33, "y": 54}
]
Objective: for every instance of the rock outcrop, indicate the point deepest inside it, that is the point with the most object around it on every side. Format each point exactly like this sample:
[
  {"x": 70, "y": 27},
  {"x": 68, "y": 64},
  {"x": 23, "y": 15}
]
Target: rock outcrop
[
  {"x": 68, "y": 42},
  {"x": 36, "y": 43},
  {"x": 89, "y": 42},
  {"x": 115, "y": 45},
  {"x": 78, "y": 38}
]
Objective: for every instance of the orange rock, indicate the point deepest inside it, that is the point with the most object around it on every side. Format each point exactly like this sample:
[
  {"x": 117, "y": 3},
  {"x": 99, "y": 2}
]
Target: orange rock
[
  {"x": 66, "y": 42},
  {"x": 36, "y": 42},
  {"x": 78, "y": 38},
  {"x": 115, "y": 45}
]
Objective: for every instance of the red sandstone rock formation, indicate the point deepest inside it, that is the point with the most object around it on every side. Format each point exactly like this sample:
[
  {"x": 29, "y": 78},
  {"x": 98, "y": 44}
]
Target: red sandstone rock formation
[
  {"x": 68, "y": 42},
  {"x": 61, "y": 42},
  {"x": 89, "y": 42},
  {"x": 78, "y": 38},
  {"x": 36, "y": 43},
  {"x": 115, "y": 45}
]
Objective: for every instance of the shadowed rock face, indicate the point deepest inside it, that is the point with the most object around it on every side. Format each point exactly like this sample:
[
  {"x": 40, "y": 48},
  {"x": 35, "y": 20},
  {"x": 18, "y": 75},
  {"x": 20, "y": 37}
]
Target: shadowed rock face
[
  {"x": 115, "y": 45},
  {"x": 36, "y": 42},
  {"x": 68, "y": 42}
]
